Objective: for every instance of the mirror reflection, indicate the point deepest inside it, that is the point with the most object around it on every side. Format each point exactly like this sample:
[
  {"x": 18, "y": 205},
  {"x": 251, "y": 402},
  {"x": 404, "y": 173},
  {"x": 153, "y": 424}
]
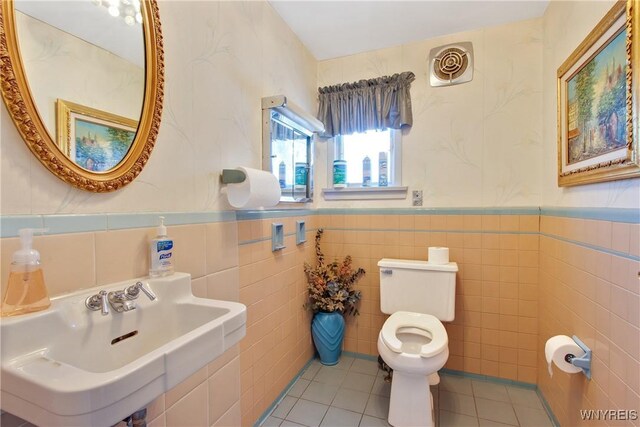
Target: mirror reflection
[
  {"x": 84, "y": 61},
  {"x": 290, "y": 157}
]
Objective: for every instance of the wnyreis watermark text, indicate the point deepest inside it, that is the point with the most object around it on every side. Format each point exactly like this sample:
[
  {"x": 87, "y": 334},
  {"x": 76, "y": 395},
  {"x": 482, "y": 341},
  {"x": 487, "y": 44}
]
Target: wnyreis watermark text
[{"x": 608, "y": 414}]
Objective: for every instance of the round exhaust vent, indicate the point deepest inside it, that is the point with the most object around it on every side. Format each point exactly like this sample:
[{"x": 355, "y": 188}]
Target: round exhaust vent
[{"x": 451, "y": 63}]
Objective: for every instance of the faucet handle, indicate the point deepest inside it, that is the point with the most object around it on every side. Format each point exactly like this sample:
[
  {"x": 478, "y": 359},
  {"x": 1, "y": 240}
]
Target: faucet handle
[
  {"x": 134, "y": 290},
  {"x": 98, "y": 302}
]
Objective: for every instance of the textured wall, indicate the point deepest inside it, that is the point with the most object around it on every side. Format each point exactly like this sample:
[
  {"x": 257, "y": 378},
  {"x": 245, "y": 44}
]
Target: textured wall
[
  {"x": 566, "y": 24},
  {"x": 476, "y": 144},
  {"x": 221, "y": 58}
]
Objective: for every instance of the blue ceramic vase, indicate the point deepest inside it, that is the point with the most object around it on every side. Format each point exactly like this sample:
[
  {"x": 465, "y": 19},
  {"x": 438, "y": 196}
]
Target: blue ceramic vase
[{"x": 327, "y": 330}]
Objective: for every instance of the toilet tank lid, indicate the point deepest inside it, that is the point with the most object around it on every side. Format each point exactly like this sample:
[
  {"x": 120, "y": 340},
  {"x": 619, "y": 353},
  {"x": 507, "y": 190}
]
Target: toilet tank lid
[{"x": 413, "y": 264}]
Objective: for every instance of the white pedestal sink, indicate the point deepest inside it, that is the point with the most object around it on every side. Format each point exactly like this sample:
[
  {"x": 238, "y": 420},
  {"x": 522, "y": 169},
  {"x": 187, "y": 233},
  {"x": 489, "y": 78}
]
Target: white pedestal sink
[{"x": 65, "y": 366}]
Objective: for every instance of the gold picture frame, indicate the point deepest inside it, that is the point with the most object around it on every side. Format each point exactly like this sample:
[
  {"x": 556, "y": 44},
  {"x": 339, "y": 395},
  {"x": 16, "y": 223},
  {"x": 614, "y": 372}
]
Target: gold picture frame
[
  {"x": 100, "y": 152},
  {"x": 21, "y": 106},
  {"x": 598, "y": 103}
]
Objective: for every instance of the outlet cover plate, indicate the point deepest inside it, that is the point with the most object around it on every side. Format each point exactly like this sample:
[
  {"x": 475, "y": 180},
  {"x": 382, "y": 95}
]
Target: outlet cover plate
[{"x": 416, "y": 197}]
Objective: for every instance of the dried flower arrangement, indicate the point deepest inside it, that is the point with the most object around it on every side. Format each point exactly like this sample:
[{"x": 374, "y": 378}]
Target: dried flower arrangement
[{"x": 330, "y": 285}]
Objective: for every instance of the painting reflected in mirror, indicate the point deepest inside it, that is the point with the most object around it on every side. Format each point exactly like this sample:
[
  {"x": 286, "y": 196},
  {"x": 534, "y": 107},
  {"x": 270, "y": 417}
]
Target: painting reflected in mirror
[{"x": 95, "y": 140}]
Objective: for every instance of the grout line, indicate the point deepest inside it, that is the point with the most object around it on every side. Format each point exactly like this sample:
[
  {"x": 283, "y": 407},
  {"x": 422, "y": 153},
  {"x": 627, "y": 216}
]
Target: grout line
[
  {"x": 530, "y": 233},
  {"x": 282, "y": 395},
  {"x": 547, "y": 408},
  {"x": 488, "y": 378},
  {"x": 268, "y": 238}
]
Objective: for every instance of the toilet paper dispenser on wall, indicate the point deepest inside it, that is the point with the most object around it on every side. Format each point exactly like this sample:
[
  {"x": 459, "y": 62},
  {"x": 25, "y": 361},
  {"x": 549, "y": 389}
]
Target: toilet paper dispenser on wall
[
  {"x": 248, "y": 188},
  {"x": 232, "y": 176},
  {"x": 583, "y": 362},
  {"x": 569, "y": 354}
]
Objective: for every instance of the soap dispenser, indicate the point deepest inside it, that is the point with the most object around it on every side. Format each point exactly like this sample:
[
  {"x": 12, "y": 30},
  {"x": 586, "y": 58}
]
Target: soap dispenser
[
  {"x": 26, "y": 291},
  {"x": 161, "y": 263}
]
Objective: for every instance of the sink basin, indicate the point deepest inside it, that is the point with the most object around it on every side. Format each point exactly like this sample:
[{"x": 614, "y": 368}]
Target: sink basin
[{"x": 72, "y": 366}]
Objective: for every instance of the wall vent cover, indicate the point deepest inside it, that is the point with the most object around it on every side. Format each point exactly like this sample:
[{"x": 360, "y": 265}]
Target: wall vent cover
[{"x": 451, "y": 64}]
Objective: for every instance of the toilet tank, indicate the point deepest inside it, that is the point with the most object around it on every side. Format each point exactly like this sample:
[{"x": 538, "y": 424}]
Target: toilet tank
[{"x": 417, "y": 286}]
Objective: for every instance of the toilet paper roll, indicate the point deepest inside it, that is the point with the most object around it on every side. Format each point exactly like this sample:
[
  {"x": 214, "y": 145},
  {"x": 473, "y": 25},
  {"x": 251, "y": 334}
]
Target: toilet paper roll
[
  {"x": 438, "y": 255},
  {"x": 557, "y": 348},
  {"x": 259, "y": 189}
]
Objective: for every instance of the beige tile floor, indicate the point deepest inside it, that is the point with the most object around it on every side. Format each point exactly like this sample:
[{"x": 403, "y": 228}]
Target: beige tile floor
[{"x": 354, "y": 393}]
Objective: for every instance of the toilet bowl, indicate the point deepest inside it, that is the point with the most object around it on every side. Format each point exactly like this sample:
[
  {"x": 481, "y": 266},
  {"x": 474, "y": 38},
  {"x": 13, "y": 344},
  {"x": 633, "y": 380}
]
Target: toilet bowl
[
  {"x": 418, "y": 295},
  {"x": 415, "y": 346}
]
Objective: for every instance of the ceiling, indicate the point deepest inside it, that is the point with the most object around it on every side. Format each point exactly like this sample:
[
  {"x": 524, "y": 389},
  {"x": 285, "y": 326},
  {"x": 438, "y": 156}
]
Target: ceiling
[{"x": 330, "y": 29}]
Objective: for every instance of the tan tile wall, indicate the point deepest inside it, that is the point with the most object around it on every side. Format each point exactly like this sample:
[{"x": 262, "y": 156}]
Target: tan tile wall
[
  {"x": 496, "y": 325},
  {"x": 273, "y": 287},
  {"x": 210, "y": 397},
  {"x": 594, "y": 295},
  {"x": 499, "y": 305}
]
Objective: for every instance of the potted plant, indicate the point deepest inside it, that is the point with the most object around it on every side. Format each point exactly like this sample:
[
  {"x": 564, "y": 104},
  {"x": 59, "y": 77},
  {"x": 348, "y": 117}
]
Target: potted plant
[{"x": 331, "y": 295}]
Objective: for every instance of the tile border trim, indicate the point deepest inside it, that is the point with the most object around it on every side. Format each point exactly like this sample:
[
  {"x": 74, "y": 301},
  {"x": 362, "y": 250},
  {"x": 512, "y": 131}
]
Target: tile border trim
[
  {"x": 78, "y": 223},
  {"x": 628, "y": 215},
  {"x": 592, "y": 247},
  {"x": 547, "y": 407},
  {"x": 283, "y": 394},
  {"x": 360, "y": 356},
  {"x": 280, "y": 213},
  {"x": 268, "y": 238},
  {"x": 497, "y": 380},
  {"x": 526, "y": 210}
]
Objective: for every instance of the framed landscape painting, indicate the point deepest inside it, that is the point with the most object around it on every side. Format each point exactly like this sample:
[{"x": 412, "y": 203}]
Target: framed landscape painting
[
  {"x": 597, "y": 106},
  {"x": 93, "y": 139}
]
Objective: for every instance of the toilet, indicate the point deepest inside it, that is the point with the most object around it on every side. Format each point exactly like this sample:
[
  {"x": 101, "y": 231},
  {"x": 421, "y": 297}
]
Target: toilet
[{"x": 413, "y": 342}]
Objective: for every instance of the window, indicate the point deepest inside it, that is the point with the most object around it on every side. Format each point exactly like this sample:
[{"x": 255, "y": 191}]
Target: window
[
  {"x": 371, "y": 146},
  {"x": 356, "y": 149}
]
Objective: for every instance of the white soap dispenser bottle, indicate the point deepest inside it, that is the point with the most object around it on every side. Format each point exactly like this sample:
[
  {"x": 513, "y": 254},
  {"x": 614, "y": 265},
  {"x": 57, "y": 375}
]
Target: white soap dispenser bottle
[{"x": 161, "y": 250}]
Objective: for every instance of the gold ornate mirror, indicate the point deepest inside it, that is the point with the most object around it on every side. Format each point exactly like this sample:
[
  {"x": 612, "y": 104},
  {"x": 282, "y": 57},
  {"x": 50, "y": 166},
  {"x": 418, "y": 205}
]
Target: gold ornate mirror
[{"x": 83, "y": 82}]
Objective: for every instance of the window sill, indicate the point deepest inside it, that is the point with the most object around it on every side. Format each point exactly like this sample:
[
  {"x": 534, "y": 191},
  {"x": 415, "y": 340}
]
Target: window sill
[{"x": 364, "y": 193}]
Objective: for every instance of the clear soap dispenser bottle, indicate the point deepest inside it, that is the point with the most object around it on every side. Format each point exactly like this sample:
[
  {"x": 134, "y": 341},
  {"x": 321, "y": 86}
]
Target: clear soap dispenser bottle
[
  {"x": 26, "y": 291},
  {"x": 161, "y": 253}
]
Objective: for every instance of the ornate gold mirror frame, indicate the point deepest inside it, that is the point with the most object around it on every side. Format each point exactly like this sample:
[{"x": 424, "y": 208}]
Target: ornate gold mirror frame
[{"x": 20, "y": 104}]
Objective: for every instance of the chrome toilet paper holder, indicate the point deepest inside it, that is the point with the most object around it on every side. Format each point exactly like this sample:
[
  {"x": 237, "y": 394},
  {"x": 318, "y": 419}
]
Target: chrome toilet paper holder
[{"x": 583, "y": 362}]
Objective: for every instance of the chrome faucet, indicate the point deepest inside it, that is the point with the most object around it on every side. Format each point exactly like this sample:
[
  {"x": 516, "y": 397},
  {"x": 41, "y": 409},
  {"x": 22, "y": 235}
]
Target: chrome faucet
[
  {"x": 98, "y": 302},
  {"x": 133, "y": 291},
  {"x": 120, "y": 301}
]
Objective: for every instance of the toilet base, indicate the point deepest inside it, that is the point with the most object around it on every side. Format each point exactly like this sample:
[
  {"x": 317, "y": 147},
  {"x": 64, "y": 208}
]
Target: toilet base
[{"x": 408, "y": 403}]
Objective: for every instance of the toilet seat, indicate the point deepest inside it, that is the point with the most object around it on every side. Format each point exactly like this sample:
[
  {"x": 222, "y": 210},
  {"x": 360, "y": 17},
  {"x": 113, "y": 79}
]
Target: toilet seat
[{"x": 425, "y": 322}]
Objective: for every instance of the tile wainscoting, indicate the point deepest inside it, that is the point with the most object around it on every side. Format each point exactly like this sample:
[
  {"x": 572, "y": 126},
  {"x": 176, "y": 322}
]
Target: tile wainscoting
[{"x": 525, "y": 274}]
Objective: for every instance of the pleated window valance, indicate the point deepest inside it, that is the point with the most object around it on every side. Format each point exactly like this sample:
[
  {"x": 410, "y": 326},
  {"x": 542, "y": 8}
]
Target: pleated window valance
[{"x": 375, "y": 104}]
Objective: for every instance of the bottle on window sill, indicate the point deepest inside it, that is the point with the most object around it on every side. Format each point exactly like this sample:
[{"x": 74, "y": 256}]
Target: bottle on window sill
[
  {"x": 382, "y": 169},
  {"x": 339, "y": 173},
  {"x": 366, "y": 172}
]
